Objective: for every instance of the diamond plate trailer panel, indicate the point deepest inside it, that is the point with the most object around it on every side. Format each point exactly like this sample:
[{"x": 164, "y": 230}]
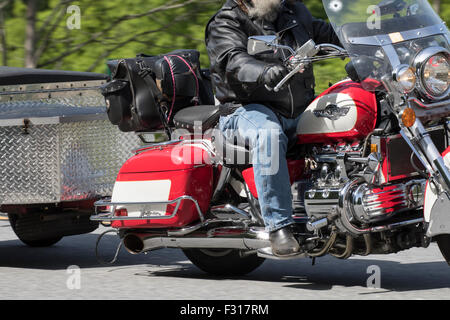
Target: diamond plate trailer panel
[{"x": 57, "y": 144}]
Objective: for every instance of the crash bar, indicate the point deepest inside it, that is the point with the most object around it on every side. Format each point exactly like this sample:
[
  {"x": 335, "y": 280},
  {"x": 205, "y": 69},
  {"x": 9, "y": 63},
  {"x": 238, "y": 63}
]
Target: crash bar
[{"x": 109, "y": 216}]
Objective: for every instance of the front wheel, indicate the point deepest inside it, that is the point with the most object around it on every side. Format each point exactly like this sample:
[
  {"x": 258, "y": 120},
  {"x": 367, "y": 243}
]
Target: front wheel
[
  {"x": 223, "y": 262},
  {"x": 443, "y": 242}
]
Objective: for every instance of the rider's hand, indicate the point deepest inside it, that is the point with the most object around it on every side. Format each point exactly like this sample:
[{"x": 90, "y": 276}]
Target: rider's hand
[{"x": 273, "y": 74}]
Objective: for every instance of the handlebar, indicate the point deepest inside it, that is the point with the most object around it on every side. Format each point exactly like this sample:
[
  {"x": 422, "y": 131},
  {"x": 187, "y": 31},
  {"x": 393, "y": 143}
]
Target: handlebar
[
  {"x": 298, "y": 65},
  {"x": 299, "y": 59}
]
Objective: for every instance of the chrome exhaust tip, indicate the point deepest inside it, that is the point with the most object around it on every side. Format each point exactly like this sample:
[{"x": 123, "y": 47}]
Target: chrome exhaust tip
[{"x": 133, "y": 243}]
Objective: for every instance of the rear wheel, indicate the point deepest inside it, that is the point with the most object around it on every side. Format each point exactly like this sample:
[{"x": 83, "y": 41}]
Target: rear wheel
[
  {"x": 223, "y": 262},
  {"x": 443, "y": 242}
]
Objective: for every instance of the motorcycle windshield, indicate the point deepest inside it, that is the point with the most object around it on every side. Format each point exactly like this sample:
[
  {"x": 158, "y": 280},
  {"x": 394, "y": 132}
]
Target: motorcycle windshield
[{"x": 383, "y": 35}]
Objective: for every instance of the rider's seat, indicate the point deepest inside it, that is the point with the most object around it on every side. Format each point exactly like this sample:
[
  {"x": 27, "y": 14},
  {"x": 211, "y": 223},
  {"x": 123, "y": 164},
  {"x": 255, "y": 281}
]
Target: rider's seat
[{"x": 232, "y": 152}]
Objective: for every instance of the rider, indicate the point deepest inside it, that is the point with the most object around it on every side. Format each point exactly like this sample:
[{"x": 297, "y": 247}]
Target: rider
[{"x": 267, "y": 120}]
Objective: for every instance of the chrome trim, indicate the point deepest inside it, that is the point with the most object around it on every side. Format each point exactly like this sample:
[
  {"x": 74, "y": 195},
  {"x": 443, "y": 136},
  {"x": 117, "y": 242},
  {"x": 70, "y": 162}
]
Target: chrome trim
[
  {"x": 366, "y": 206},
  {"x": 155, "y": 145},
  {"x": 228, "y": 208},
  {"x": 50, "y": 87},
  {"x": 429, "y": 105},
  {"x": 344, "y": 210},
  {"x": 109, "y": 216},
  {"x": 316, "y": 225},
  {"x": 190, "y": 229},
  {"x": 383, "y": 40},
  {"x": 419, "y": 64},
  {"x": 53, "y": 120},
  {"x": 416, "y": 151},
  {"x": 251, "y": 239},
  {"x": 442, "y": 168},
  {"x": 397, "y": 73}
]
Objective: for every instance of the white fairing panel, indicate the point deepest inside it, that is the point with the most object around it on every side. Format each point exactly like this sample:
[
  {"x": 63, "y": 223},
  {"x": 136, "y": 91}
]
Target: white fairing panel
[
  {"x": 430, "y": 194},
  {"x": 142, "y": 191},
  {"x": 332, "y": 113}
]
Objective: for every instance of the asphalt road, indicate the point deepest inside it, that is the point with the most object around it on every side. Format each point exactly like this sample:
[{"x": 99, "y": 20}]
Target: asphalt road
[{"x": 32, "y": 273}]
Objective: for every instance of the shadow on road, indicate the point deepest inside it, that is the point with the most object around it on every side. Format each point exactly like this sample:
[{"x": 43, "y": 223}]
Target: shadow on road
[
  {"x": 297, "y": 274},
  {"x": 76, "y": 250}
]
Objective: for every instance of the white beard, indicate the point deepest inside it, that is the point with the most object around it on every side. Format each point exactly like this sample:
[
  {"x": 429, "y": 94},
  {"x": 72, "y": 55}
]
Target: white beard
[{"x": 265, "y": 9}]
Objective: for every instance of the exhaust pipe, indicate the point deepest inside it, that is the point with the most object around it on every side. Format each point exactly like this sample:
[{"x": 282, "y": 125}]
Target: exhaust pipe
[{"x": 218, "y": 238}]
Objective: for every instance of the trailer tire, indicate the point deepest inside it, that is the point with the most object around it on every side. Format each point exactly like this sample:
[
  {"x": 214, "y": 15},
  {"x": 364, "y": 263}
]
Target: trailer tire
[
  {"x": 223, "y": 262},
  {"x": 41, "y": 243},
  {"x": 36, "y": 242}
]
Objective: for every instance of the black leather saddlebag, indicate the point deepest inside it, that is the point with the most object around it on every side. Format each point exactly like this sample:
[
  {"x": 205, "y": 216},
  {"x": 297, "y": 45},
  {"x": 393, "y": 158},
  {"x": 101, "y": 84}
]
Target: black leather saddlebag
[{"x": 146, "y": 92}]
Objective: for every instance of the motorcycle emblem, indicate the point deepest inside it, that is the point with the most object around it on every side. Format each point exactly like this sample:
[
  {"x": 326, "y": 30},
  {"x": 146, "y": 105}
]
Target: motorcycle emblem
[{"x": 332, "y": 112}]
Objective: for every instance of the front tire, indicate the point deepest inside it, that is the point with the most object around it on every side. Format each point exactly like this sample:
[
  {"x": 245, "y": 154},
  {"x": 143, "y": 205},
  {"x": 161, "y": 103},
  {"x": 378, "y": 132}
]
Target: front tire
[
  {"x": 223, "y": 262},
  {"x": 443, "y": 242}
]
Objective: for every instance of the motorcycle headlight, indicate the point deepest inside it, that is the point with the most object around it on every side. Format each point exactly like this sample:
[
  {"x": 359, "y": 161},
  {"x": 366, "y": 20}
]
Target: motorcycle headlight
[
  {"x": 436, "y": 75},
  {"x": 433, "y": 68},
  {"x": 405, "y": 77}
]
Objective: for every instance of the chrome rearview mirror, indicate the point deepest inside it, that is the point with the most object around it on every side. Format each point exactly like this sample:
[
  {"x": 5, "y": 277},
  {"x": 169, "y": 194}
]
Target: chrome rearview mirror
[
  {"x": 308, "y": 50},
  {"x": 261, "y": 44}
]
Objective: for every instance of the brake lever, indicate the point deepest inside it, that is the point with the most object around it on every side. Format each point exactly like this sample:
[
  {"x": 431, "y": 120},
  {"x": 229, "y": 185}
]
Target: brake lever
[{"x": 299, "y": 68}]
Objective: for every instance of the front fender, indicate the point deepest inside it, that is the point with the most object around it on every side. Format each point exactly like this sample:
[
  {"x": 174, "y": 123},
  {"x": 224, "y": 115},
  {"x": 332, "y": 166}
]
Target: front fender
[{"x": 437, "y": 206}]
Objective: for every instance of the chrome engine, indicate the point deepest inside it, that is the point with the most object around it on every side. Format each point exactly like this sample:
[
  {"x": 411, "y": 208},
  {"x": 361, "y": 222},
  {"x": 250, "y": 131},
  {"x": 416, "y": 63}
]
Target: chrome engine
[
  {"x": 367, "y": 201},
  {"x": 368, "y": 204}
]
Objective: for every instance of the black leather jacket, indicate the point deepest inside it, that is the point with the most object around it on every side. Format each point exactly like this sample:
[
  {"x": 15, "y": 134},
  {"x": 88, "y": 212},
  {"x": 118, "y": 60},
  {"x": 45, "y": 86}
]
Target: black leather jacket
[{"x": 235, "y": 73}]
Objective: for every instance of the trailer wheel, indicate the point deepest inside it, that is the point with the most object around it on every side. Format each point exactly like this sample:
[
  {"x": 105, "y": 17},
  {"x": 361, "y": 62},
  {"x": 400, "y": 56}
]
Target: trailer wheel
[
  {"x": 223, "y": 262},
  {"x": 36, "y": 240},
  {"x": 443, "y": 242},
  {"x": 41, "y": 243}
]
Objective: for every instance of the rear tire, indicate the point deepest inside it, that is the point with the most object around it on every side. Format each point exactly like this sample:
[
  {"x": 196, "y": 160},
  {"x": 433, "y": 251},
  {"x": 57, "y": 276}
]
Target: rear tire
[
  {"x": 443, "y": 242},
  {"x": 223, "y": 262}
]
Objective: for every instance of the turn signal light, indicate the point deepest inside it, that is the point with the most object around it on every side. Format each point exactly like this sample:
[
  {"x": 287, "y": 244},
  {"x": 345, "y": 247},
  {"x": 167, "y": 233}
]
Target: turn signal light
[
  {"x": 373, "y": 148},
  {"x": 408, "y": 117}
]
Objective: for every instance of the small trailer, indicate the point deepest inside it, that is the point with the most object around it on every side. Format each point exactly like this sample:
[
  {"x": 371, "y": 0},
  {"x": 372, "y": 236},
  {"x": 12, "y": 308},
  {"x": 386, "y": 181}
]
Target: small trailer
[{"x": 58, "y": 152}]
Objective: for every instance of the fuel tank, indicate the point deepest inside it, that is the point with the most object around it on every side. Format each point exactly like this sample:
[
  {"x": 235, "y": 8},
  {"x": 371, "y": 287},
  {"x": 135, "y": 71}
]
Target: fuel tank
[{"x": 344, "y": 112}]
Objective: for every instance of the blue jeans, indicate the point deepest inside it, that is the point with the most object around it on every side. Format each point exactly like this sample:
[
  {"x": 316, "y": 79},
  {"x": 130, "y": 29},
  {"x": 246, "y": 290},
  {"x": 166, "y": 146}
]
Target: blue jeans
[{"x": 268, "y": 137}]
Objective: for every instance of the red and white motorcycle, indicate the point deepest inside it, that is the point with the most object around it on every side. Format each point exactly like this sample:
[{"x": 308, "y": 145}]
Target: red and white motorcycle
[{"x": 370, "y": 173}]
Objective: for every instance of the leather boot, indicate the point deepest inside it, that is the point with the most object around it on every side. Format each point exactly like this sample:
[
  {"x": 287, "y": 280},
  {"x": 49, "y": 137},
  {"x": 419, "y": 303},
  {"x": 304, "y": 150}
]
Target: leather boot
[{"x": 283, "y": 242}]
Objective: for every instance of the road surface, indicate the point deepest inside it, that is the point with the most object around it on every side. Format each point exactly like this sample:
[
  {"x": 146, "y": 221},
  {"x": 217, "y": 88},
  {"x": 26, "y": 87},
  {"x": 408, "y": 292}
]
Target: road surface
[{"x": 69, "y": 270}]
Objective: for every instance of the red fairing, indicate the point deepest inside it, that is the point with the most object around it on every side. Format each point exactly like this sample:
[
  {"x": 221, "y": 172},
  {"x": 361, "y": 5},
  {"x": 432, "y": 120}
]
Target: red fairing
[
  {"x": 296, "y": 169},
  {"x": 188, "y": 169},
  {"x": 367, "y": 107}
]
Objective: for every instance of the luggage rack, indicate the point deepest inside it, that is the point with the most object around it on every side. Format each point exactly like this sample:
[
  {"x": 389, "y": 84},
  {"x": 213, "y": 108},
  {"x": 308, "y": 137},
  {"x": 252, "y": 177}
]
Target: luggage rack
[{"x": 109, "y": 216}]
